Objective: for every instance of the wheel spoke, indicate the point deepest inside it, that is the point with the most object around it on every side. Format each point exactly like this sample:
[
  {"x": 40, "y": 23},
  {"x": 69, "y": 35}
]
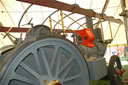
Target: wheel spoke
[
  {"x": 37, "y": 61},
  {"x": 30, "y": 70},
  {"x": 54, "y": 57},
  {"x": 58, "y": 65},
  {"x": 66, "y": 73},
  {"x": 23, "y": 79},
  {"x": 71, "y": 78},
  {"x": 45, "y": 62},
  {"x": 65, "y": 65}
]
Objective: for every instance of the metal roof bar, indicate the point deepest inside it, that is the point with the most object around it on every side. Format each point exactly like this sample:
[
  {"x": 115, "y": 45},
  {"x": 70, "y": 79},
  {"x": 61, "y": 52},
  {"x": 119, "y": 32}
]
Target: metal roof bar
[{"x": 72, "y": 8}]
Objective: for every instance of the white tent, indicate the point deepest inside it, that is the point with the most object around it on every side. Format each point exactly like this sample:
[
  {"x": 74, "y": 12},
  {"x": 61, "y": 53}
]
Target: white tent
[{"x": 12, "y": 10}]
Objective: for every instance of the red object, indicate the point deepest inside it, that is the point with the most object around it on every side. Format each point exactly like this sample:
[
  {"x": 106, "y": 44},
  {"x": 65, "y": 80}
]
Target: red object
[
  {"x": 125, "y": 81},
  {"x": 87, "y": 37},
  {"x": 120, "y": 72},
  {"x": 58, "y": 84}
]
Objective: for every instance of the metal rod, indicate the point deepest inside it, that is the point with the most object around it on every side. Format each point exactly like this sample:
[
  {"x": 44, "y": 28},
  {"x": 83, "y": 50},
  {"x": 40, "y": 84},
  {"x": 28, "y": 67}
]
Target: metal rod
[
  {"x": 117, "y": 9},
  {"x": 102, "y": 33},
  {"x": 20, "y": 40},
  {"x": 80, "y": 26},
  {"x": 123, "y": 5},
  {"x": 89, "y": 23},
  {"x": 62, "y": 20},
  {"x": 8, "y": 31},
  {"x": 15, "y": 29},
  {"x": 24, "y": 10},
  {"x": 91, "y": 4},
  {"x": 24, "y": 14},
  {"x": 10, "y": 38},
  {"x": 60, "y": 24},
  {"x": 117, "y": 30},
  {"x": 103, "y": 10},
  {"x": 50, "y": 15},
  {"x": 74, "y": 20},
  {"x": 42, "y": 12},
  {"x": 50, "y": 22},
  {"x": 8, "y": 35},
  {"x": 110, "y": 28},
  {"x": 114, "y": 15},
  {"x": 58, "y": 18}
]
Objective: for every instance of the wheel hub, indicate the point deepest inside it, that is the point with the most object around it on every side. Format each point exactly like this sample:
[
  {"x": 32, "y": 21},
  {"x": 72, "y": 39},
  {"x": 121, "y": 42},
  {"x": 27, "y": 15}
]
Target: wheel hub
[{"x": 54, "y": 82}]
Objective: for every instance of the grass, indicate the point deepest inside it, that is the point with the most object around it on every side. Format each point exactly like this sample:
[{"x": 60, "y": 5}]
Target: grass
[
  {"x": 125, "y": 75},
  {"x": 106, "y": 82},
  {"x": 99, "y": 82}
]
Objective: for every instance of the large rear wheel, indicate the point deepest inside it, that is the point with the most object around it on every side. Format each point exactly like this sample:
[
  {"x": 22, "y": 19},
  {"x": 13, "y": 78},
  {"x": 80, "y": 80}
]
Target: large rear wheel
[{"x": 45, "y": 61}]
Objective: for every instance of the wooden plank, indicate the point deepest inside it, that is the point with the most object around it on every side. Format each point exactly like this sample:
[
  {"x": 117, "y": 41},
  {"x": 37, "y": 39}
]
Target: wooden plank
[{"x": 71, "y": 8}]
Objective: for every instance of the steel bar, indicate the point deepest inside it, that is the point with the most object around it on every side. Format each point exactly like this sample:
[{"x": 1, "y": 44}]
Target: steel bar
[
  {"x": 74, "y": 20},
  {"x": 110, "y": 28},
  {"x": 50, "y": 22},
  {"x": 9, "y": 36},
  {"x": 125, "y": 18},
  {"x": 15, "y": 29},
  {"x": 24, "y": 10},
  {"x": 103, "y": 10},
  {"x": 117, "y": 30},
  {"x": 62, "y": 20},
  {"x": 60, "y": 24},
  {"x": 102, "y": 32}
]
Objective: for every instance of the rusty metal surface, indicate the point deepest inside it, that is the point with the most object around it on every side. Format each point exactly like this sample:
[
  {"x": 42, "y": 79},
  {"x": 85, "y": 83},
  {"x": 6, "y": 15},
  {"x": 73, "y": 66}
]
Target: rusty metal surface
[{"x": 15, "y": 29}]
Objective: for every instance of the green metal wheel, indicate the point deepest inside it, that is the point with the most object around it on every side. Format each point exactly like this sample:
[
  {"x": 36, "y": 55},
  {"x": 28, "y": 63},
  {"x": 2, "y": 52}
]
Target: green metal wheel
[
  {"x": 114, "y": 65},
  {"x": 45, "y": 60}
]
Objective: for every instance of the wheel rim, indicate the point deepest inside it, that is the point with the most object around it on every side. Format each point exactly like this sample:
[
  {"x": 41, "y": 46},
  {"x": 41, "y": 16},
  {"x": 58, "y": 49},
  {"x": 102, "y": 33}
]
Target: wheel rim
[
  {"x": 117, "y": 77},
  {"x": 115, "y": 65},
  {"x": 47, "y": 60}
]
